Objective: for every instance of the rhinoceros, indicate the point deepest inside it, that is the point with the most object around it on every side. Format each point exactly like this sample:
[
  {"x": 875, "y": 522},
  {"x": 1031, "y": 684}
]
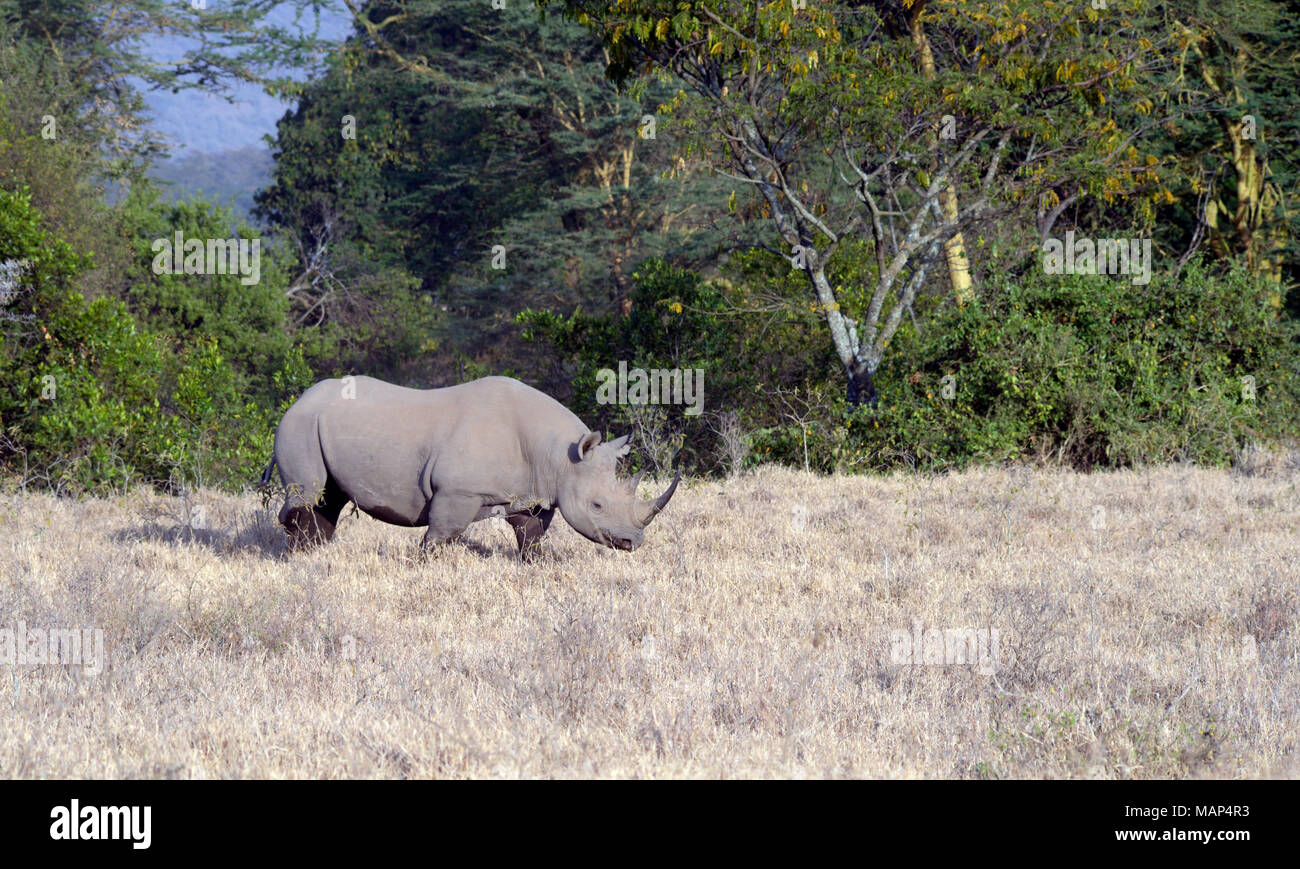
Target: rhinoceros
[{"x": 449, "y": 457}]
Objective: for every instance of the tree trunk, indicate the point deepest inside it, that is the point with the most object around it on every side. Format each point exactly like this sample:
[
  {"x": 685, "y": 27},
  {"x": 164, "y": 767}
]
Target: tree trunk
[
  {"x": 859, "y": 368},
  {"x": 954, "y": 249},
  {"x": 1260, "y": 237}
]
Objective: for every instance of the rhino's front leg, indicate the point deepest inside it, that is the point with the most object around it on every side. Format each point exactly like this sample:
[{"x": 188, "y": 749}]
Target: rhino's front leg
[
  {"x": 529, "y": 528},
  {"x": 449, "y": 516}
]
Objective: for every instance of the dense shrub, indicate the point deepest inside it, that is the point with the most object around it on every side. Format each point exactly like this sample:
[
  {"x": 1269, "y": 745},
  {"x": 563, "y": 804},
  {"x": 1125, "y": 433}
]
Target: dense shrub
[
  {"x": 1084, "y": 370},
  {"x": 248, "y": 322},
  {"x": 92, "y": 401}
]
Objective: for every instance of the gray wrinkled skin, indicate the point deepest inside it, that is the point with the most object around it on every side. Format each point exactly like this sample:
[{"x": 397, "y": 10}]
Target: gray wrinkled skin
[{"x": 448, "y": 457}]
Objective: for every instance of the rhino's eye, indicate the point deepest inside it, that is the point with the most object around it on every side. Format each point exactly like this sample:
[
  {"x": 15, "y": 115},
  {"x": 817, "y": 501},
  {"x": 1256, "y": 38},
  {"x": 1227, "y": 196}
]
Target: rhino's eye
[{"x": 596, "y": 505}]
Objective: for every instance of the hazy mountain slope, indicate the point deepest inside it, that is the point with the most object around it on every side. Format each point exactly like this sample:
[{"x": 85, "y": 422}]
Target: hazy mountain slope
[{"x": 230, "y": 177}]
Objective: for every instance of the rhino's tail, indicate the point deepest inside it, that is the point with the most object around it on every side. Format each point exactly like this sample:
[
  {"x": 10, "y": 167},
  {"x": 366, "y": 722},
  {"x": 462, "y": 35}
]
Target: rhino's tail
[{"x": 266, "y": 475}]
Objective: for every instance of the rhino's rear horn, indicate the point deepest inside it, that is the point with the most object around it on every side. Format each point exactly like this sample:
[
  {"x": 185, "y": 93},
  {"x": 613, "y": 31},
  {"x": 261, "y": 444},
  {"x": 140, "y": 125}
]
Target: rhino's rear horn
[{"x": 650, "y": 509}]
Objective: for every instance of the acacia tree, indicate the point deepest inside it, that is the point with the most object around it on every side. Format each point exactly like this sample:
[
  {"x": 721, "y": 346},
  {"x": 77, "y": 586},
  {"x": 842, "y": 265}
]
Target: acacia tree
[
  {"x": 1240, "y": 61},
  {"x": 849, "y": 129}
]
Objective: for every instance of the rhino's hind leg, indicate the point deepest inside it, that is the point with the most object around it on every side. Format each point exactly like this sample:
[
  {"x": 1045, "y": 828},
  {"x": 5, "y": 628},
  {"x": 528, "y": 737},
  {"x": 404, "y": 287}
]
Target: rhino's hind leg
[
  {"x": 305, "y": 527},
  {"x": 308, "y": 526},
  {"x": 529, "y": 528}
]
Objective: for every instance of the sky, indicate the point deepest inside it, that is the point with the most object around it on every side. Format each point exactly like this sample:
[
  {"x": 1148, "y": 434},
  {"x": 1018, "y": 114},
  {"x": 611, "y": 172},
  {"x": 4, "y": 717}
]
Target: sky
[{"x": 204, "y": 122}]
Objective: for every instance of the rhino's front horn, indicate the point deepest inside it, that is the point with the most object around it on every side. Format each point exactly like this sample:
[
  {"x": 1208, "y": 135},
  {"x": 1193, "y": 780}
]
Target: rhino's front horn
[{"x": 650, "y": 509}]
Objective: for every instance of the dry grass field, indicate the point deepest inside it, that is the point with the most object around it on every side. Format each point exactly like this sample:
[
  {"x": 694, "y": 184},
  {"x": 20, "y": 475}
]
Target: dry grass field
[{"x": 1146, "y": 626}]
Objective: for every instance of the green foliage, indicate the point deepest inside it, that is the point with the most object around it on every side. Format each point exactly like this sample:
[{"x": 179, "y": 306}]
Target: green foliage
[
  {"x": 91, "y": 413},
  {"x": 1232, "y": 162},
  {"x": 501, "y": 129},
  {"x": 1088, "y": 371},
  {"x": 247, "y": 321},
  {"x": 680, "y": 321},
  {"x": 52, "y": 148},
  {"x": 829, "y": 115},
  {"x": 91, "y": 401},
  {"x": 223, "y": 438},
  {"x": 670, "y": 326},
  {"x": 347, "y": 209}
]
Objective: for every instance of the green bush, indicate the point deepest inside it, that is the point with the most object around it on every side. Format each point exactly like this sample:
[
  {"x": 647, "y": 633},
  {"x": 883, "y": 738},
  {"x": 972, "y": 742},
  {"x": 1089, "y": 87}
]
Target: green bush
[
  {"x": 247, "y": 321},
  {"x": 90, "y": 401},
  {"x": 1087, "y": 371}
]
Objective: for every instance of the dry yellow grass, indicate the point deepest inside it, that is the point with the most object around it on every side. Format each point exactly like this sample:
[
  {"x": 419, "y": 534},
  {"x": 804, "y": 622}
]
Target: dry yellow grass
[{"x": 1147, "y": 628}]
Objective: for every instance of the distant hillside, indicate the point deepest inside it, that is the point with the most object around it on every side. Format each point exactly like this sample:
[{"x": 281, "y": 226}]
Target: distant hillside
[
  {"x": 198, "y": 121},
  {"x": 229, "y": 177}
]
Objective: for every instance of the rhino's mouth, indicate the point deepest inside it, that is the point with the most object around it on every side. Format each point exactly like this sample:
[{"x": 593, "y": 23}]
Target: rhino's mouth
[{"x": 613, "y": 541}]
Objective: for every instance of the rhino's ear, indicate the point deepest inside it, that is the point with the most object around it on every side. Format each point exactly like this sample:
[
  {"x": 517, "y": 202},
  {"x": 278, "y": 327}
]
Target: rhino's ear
[
  {"x": 587, "y": 444},
  {"x": 620, "y": 446}
]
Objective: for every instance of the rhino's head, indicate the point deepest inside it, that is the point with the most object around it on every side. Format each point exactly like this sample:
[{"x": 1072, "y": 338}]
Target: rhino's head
[{"x": 597, "y": 504}]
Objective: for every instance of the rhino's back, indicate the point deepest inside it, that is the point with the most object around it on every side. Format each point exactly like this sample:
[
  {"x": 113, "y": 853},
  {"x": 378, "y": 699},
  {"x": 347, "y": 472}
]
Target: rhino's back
[{"x": 389, "y": 447}]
